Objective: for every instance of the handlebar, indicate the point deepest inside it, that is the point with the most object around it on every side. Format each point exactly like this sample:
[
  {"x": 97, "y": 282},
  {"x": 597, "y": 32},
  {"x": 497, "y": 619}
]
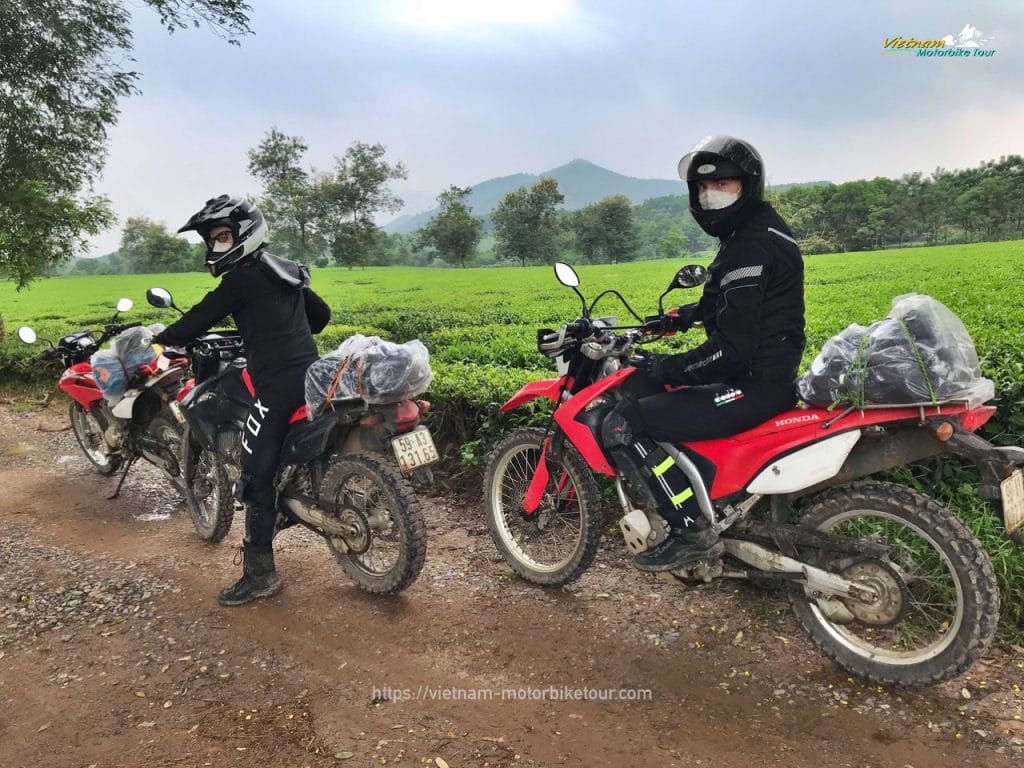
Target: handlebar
[
  {"x": 113, "y": 329},
  {"x": 221, "y": 345},
  {"x": 50, "y": 353}
]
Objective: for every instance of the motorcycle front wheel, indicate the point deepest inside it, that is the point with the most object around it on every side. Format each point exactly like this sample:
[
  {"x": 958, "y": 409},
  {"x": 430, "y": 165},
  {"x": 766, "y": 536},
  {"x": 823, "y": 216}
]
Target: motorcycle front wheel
[
  {"x": 207, "y": 490},
  {"x": 938, "y": 600},
  {"x": 387, "y": 543},
  {"x": 89, "y": 434},
  {"x": 556, "y": 543}
]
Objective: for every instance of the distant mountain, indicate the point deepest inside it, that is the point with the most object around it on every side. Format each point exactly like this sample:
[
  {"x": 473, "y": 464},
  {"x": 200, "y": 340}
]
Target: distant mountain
[{"x": 580, "y": 181}]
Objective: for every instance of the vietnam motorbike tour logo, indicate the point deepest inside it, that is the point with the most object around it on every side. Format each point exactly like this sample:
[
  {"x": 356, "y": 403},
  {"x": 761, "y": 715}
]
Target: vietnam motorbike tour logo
[{"x": 970, "y": 43}]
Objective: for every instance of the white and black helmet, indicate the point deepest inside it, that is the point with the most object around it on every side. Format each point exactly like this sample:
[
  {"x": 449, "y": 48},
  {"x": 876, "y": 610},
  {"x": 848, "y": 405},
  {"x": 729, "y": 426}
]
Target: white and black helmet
[{"x": 248, "y": 227}]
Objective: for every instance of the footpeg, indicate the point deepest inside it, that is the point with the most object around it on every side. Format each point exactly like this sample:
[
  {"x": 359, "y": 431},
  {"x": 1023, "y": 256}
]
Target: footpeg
[{"x": 705, "y": 572}]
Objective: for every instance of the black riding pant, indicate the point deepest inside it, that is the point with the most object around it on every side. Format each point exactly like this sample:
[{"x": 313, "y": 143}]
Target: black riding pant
[
  {"x": 262, "y": 439},
  {"x": 686, "y": 415},
  {"x": 714, "y": 410}
]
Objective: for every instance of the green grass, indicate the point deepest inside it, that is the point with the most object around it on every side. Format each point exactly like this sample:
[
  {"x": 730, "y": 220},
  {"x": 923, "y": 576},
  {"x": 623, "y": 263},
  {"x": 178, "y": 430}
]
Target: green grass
[{"x": 480, "y": 327}]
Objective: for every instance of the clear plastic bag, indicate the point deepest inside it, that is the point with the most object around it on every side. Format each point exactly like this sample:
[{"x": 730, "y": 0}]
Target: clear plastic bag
[
  {"x": 113, "y": 368},
  {"x": 920, "y": 353},
  {"x": 369, "y": 368}
]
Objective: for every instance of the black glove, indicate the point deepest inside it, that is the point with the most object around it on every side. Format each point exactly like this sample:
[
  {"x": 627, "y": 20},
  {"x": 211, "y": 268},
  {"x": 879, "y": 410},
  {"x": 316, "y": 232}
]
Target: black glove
[
  {"x": 650, "y": 363},
  {"x": 658, "y": 324},
  {"x": 678, "y": 320}
]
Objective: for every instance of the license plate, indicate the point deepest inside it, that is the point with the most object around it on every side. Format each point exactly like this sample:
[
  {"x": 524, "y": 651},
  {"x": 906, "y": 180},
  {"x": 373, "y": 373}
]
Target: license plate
[
  {"x": 1013, "y": 501},
  {"x": 414, "y": 449}
]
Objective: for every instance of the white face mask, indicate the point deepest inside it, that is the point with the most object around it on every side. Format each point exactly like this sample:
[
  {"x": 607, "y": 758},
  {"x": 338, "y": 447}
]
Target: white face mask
[{"x": 714, "y": 200}]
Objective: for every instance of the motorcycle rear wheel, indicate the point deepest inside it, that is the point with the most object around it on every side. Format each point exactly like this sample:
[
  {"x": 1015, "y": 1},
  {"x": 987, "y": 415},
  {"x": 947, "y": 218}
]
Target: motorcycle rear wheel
[
  {"x": 89, "y": 434},
  {"x": 207, "y": 491},
  {"x": 941, "y": 601},
  {"x": 374, "y": 497},
  {"x": 557, "y": 543}
]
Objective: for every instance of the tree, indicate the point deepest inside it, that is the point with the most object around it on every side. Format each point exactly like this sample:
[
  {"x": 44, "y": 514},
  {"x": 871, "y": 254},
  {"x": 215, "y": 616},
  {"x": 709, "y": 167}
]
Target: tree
[
  {"x": 346, "y": 200},
  {"x": 61, "y": 75},
  {"x": 454, "y": 232},
  {"x": 147, "y": 246},
  {"x": 606, "y": 231},
  {"x": 526, "y": 226},
  {"x": 288, "y": 195}
]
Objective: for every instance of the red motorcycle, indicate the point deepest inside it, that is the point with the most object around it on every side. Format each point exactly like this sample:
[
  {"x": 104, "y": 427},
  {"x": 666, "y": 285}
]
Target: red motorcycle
[
  {"x": 889, "y": 583},
  {"x": 141, "y": 423}
]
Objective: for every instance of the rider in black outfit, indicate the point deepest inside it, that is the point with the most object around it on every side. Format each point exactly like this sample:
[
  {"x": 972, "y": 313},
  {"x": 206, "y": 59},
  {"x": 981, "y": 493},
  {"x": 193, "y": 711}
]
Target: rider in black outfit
[
  {"x": 276, "y": 314},
  {"x": 752, "y": 310}
]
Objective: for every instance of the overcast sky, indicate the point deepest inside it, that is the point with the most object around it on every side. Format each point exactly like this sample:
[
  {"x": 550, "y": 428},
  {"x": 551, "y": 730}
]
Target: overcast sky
[{"x": 464, "y": 90}]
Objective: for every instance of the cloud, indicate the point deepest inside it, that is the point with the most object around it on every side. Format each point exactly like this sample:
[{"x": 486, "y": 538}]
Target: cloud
[{"x": 461, "y": 92}]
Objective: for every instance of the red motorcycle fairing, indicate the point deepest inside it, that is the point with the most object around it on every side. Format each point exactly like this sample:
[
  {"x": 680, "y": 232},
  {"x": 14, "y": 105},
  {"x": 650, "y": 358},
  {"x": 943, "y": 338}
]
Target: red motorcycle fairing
[
  {"x": 580, "y": 434},
  {"x": 549, "y": 388},
  {"x": 185, "y": 390},
  {"x": 247, "y": 380},
  {"x": 78, "y": 383},
  {"x": 301, "y": 414},
  {"x": 740, "y": 457}
]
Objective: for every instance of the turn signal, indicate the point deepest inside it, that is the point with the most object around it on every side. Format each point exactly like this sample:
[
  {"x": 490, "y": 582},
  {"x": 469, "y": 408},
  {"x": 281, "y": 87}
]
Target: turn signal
[
  {"x": 944, "y": 431},
  {"x": 424, "y": 405}
]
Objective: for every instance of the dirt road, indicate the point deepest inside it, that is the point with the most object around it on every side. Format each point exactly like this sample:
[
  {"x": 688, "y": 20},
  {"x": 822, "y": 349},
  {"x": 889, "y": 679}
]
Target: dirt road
[{"x": 113, "y": 652}]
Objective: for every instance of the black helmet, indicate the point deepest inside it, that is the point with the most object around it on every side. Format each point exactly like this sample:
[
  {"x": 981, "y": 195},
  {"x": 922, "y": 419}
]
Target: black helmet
[
  {"x": 723, "y": 157},
  {"x": 248, "y": 227}
]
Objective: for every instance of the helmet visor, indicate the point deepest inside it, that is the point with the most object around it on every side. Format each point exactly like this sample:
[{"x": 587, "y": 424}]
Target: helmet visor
[{"x": 725, "y": 153}]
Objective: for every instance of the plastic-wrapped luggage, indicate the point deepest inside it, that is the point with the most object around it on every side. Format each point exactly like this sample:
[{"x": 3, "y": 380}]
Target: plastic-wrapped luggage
[
  {"x": 920, "y": 353},
  {"x": 113, "y": 368},
  {"x": 370, "y": 368}
]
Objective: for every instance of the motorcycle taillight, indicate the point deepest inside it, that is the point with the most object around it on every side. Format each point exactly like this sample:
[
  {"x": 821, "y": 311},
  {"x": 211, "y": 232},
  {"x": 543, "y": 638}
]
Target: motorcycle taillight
[
  {"x": 407, "y": 415},
  {"x": 975, "y": 418}
]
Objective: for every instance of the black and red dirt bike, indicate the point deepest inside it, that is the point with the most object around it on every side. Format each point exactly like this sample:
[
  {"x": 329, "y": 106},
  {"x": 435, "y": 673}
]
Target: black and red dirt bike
[
  {"x": 346, "y": 473},
  {"x": 889, "y": 583},
  {"x": 141, "y": 423}
]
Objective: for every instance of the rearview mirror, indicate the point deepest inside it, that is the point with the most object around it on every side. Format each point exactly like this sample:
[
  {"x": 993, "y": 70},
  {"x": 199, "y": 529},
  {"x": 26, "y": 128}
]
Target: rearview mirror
[
  {"x": 123, "y": 305},
  {"x": 27, "y": 335},
  {"x": 160, "y": 297},
  {"x": 566, "y": 275},
  {"x": 689, "y": 276}
]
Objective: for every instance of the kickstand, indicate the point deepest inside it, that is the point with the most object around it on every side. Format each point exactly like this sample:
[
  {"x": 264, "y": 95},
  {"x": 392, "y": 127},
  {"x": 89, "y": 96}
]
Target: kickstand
[{"x": 124, "y": 474}]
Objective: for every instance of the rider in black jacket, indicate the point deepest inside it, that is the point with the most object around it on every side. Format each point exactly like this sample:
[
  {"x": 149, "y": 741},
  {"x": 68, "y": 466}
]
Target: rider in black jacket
[
  {"x": 752, "y": 310},
  {"x": 276, "y": 314}
]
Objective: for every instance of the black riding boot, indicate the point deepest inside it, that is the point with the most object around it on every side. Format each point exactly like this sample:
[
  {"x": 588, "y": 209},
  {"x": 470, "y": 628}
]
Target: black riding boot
[
  {"x": 259, "y": 579},
  {"x": 684, "y": 546}
]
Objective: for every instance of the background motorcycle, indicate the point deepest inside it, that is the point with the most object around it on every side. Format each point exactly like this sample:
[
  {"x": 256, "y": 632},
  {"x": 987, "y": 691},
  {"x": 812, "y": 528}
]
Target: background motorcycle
[
  {"x": 890, "y": 584},
  {"x": 139, "y": 424},
  {"x": 344, "y": 474}
]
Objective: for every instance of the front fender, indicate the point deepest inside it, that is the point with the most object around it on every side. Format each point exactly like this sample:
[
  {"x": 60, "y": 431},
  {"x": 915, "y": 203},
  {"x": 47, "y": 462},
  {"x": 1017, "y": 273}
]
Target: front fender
[{"x": 549, "y": 388}]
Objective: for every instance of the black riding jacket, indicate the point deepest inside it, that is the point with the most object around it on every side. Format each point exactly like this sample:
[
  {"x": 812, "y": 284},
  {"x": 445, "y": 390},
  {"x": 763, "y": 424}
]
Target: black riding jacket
[
  {"x": 752, "y": 308},
  {"x": 275, "y": 312}
]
